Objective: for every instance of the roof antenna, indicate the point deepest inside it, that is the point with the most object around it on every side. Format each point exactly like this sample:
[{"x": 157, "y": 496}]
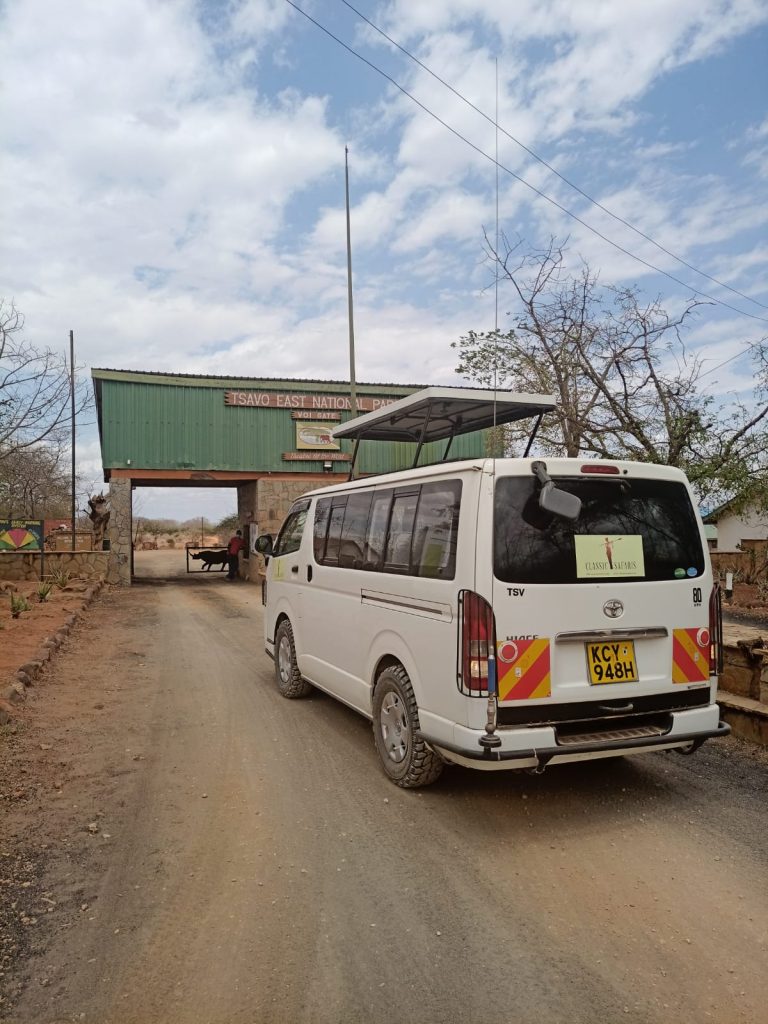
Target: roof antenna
[{"x": 489, "y": 740}]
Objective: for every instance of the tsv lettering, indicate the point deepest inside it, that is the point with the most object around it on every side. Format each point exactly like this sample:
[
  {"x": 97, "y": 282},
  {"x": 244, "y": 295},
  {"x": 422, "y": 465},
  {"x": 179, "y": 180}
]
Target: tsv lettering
[{"x": 515, "y": 591}]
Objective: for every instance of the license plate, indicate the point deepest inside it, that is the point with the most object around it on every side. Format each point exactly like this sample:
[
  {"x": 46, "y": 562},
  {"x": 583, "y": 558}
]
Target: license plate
[{"x": 612, "y": 662}]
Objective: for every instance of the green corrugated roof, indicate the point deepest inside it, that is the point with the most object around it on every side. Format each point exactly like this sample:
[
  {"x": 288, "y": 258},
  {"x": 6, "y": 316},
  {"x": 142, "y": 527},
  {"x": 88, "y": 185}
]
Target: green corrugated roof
[
  {"x": 163, "y": 421},
  {"x": 195, "y": 380}
]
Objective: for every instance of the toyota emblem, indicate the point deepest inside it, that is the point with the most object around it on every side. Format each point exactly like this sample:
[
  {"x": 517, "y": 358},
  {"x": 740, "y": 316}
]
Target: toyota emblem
[{"x": 613, "y": 609}]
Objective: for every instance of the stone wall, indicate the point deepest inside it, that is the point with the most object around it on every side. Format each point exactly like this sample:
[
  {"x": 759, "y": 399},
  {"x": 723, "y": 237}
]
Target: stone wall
[
  {"x": 276, "y": 497},
  {"x": 751, "y": 564},
  {"x": 745, "y": 670},
  {"x": 86, "y": 565},
  {"x": 247, "y": 516},
  {"x": 119, "y": 532},
  {"x": 265, "y": 505}
]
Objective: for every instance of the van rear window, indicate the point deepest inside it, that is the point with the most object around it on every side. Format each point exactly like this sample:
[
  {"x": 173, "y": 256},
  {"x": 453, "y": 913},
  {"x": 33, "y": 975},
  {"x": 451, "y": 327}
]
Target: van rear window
[{"x": 633, "y": 530}]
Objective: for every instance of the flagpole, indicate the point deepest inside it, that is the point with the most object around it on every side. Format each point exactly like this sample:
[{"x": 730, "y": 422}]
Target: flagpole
[
  {"x": 72, "y": 413},
  {"x": 352, "y": 384}
]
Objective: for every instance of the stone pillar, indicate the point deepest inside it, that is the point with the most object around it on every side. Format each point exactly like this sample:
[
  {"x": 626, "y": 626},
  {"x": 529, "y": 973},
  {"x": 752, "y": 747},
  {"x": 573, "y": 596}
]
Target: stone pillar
[
  {"x": 247, "y": 518},
  {"x": 119, "y": 532},
  {"x": 275, "y": 498}
]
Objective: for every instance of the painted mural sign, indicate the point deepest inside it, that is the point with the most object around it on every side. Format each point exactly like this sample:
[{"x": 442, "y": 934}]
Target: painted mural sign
[
  {"x": 278, "y": 400},
  {"x": 21, "y": 534},
  {"x": 311, "y": 436}
]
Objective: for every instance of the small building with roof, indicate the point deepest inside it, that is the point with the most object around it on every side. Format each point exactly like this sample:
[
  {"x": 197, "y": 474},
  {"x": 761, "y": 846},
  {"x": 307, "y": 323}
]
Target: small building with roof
[
  {"x": 738, "y": 527},
  {"x": 269, "y": 438}
]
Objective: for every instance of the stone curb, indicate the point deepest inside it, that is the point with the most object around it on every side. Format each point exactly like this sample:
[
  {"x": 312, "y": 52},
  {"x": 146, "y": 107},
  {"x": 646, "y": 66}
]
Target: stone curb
[
  {"x": 16, "y": 690},
  {"x": 747, "y": 718}
]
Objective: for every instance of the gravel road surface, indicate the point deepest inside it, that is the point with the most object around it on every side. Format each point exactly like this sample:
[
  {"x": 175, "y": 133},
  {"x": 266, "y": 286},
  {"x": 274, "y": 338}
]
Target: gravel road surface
[{"x": 211, "y": 852}]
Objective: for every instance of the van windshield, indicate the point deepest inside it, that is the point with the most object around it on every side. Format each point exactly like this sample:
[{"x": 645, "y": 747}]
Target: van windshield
[{"x": 633, "y": 530}]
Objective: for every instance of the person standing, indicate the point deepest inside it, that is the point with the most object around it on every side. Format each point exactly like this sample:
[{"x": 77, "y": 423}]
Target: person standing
[{"x": 234, "y": 548}]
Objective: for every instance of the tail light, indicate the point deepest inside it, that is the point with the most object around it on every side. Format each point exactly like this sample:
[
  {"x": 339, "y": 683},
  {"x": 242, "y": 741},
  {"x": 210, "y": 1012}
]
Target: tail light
[
  {"x": 715, "y": 632},
  {"x": 477, "y": 650},
  {"x": 600, "y": 468}
]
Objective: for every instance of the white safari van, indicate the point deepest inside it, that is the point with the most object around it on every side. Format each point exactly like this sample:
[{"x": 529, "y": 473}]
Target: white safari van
[{"x": 498, "y": 613}]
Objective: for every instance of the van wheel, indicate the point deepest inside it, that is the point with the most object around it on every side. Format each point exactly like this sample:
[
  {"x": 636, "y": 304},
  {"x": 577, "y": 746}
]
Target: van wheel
[
  {"x": 406, "y": 758},
  {"x": 289, "y": 679}
]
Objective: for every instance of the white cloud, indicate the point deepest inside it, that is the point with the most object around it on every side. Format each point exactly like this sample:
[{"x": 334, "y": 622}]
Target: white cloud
[
  {"x": 757, "y": 151},
  {"x": 173, "y": 187}
]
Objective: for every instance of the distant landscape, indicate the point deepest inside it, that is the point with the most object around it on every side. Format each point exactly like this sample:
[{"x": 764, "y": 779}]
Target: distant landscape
[{"x": 155, "y": 534}]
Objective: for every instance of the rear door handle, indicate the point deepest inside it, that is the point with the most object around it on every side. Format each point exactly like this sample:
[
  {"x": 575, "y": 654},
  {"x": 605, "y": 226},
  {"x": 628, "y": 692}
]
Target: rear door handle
[{"x": 309, "y": 574}]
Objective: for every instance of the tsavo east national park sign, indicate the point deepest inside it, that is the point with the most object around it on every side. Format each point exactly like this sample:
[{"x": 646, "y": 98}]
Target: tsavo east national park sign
[{"x": 278, "y": 400}]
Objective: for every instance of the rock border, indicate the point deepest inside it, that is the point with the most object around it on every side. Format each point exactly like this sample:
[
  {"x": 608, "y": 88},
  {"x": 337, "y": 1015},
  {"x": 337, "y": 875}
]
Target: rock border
[{"x": 16, "y": 691}]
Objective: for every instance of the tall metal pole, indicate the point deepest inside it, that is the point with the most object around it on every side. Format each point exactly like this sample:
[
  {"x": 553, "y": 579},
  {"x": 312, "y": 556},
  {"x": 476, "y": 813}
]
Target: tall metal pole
[
  {"x": 72, "y": 410},
  {"x": 352, "y": 385}
]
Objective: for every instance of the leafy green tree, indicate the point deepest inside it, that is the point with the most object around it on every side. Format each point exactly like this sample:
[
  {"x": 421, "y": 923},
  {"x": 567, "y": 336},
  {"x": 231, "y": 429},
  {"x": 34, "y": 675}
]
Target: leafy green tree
[{"x": 227, "y": 525}]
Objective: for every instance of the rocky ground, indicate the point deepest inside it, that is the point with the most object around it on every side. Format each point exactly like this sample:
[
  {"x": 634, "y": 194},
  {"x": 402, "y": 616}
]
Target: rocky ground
[
  {"x": 28, "y": 639},
  {"x": 180, "y": 843}
]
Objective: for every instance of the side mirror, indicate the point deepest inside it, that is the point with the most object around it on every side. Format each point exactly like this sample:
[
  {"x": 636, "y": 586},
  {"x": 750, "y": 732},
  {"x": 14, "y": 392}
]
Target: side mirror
[
  {"x": 552, "y": 499},
  {"x": 264, "y": 544}
]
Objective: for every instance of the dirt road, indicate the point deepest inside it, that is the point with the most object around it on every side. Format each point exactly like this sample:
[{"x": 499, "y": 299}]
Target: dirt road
[{"x": 198, "y": 849}]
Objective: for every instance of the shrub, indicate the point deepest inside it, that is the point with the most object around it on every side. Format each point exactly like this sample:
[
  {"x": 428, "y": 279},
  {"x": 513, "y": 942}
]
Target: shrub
[
  {"x": 19, "y": 604},
  {"x": 61, "y": 577},
  {"x": 43, "y": 590}
]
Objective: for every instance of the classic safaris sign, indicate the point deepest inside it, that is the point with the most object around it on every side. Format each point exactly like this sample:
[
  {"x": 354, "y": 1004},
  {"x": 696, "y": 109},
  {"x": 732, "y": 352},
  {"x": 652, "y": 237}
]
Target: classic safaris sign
[{"x": 598, "y": 557}]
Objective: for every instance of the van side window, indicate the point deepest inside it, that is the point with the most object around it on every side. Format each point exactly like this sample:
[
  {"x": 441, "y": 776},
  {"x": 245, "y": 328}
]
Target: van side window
[
  {"x": 436, "y": 530},
  {"x": 322, "y": 515},
  {"x": 333, "y": 542},
  {"x": 289, "y": 538},
  {"x": 412, "y": 531},
  {"x": 377, "y": 529},
  {"x": 397, "y": 557},
  {"x": 353, "y": 530}
]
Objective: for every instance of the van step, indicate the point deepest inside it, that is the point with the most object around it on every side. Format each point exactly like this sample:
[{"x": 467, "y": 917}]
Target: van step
[{"x": 632, "y": 733}]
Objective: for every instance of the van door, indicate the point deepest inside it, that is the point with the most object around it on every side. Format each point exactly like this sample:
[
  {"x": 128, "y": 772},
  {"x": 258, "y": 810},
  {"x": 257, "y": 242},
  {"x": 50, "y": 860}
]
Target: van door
[
  {"x": 285, "y": 581},
  {"x": 610, "y": 609},
  {"x": 335, "y": 646}
]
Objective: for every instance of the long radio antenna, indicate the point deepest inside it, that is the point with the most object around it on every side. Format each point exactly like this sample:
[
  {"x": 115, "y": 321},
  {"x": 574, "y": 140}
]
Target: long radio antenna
[
  {"x": 496, "y": 265},
  {"x": 352, "y": 385},
  {"x": 489, "y": 740}
]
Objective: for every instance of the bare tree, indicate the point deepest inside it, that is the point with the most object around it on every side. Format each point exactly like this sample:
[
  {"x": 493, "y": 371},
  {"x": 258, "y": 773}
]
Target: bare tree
[
  {"x": 34, "y": 483},
  {"x": 34, "y": 389},
  {"x": 625, "y": 384}
]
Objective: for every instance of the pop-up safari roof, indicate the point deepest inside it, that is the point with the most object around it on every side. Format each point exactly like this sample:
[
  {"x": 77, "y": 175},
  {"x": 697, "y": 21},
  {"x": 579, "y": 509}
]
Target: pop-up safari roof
[{"x": 438, "y": 414}]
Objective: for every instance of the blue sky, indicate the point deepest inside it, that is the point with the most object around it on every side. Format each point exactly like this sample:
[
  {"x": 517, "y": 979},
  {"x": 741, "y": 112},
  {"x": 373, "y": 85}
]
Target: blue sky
[{"x": 174, "y": 175}]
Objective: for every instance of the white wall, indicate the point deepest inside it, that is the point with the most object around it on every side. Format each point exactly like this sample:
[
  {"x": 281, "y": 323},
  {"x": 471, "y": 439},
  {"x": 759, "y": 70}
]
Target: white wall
[{"x": 732, "y": 529}]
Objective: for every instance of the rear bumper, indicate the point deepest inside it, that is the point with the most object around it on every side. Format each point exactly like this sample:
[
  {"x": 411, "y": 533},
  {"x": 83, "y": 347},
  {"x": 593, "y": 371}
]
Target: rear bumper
[{"x": 689, "y": 730}]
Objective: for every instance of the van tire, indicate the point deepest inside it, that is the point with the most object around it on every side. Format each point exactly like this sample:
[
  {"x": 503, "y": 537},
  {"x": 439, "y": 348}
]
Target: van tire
[
  {"x": 406, "y": 758},
  {"x": 289, "y": 680}
]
